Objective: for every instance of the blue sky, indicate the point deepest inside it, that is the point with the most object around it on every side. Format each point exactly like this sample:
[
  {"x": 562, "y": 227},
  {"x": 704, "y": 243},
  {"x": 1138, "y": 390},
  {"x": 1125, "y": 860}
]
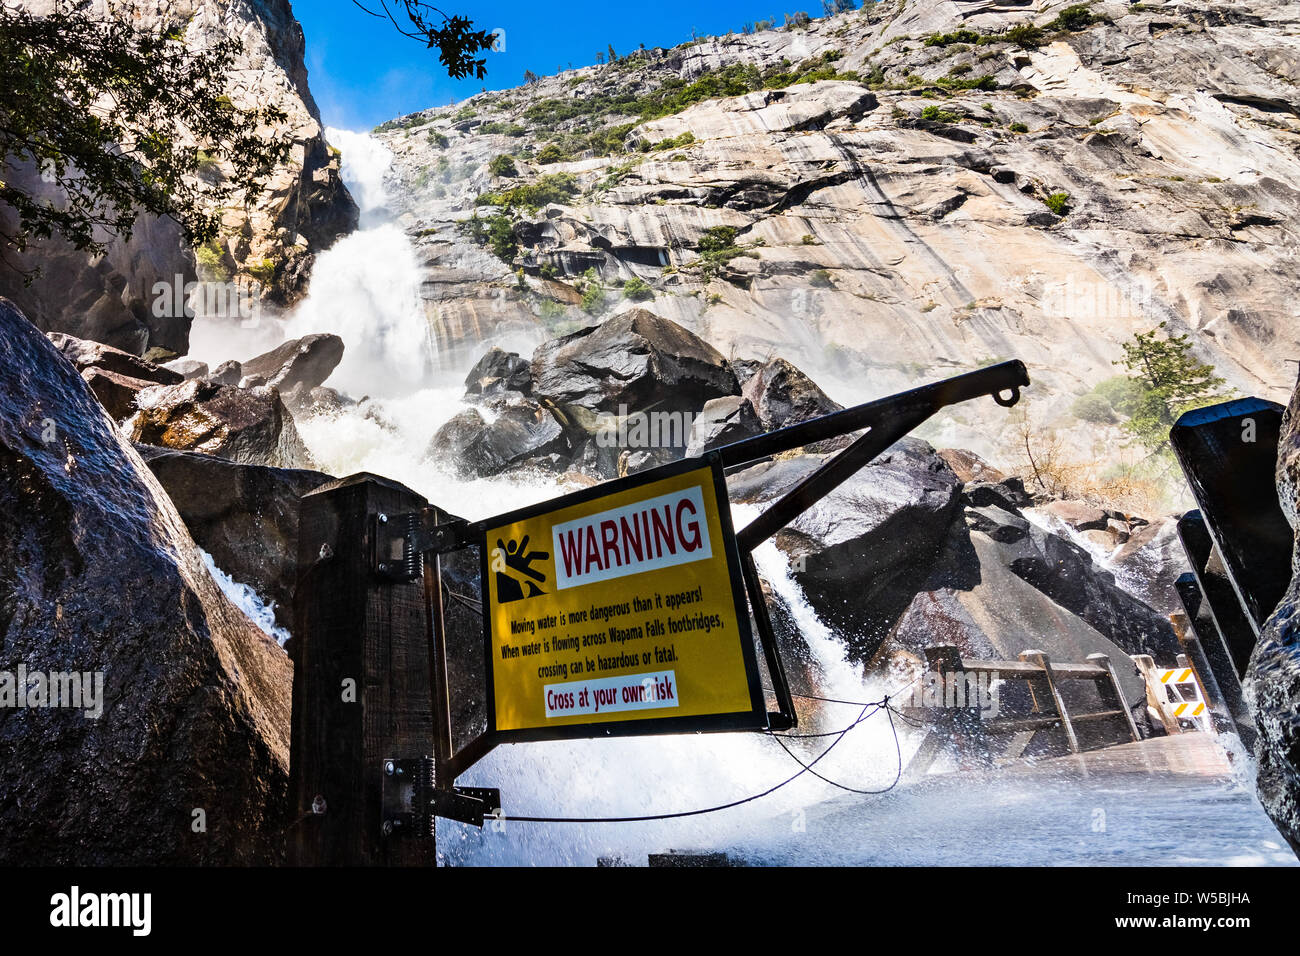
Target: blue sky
[{"x": 363, "y": 72}]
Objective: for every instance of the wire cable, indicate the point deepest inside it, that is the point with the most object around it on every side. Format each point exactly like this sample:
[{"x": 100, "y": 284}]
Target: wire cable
[
  {"x": 695, "y": 813},
  {"x": 897, "y": 749}
]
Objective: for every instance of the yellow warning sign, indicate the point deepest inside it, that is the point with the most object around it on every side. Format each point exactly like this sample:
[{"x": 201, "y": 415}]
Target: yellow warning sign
[{"x": 622, "y": 607}]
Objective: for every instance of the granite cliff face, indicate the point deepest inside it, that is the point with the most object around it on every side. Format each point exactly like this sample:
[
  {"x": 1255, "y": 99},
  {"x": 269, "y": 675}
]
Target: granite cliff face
[
  {"x": 898, "y": 194},
  {"x": 272, "y": 240}
]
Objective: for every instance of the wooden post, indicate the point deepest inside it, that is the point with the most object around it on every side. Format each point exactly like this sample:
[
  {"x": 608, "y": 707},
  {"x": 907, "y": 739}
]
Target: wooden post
[
  {"x": 963, "y": 724},
  {"x": 1112, "y": 695},
  {"x": 1042, "y": 660},
  {"x": 361, "y": 684}
]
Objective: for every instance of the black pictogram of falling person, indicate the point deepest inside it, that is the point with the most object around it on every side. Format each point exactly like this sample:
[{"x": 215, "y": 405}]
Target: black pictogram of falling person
[{"x": 513, "y": 579}]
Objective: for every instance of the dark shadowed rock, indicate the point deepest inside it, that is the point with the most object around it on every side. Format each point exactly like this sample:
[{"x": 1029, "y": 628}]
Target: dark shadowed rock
[
  {"x": 115, "y": 392},
  {"x": 227, "y": 373},
  {"x": 245, "y": 516},
  {"x": 638, "y": 360},
  {"x": 299, "y": 363},
  {"x": 745, "y": 369},
  {"x": 723, "y": 421},
  {"x": 84, "y": 355},
  {"x": 998, "y": 523},
  {"x": 499, "y": 371},
  {"x": 1272, "y": 684},
  {"x": 1067, "y": 574},
  {"x": 522, "y": 433},
  {"x": 782, "y": 395},
  {"x": 249, "y": 425},
  {"x": 863, "y": 551},
  {"x": 1009, "y": 493},
  {"x": 98, "y": 574}
]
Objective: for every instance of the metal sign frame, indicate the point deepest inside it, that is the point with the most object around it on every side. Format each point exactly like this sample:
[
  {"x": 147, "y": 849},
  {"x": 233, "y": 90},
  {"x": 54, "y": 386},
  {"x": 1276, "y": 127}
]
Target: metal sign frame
[{"x": 475, "y": 534}]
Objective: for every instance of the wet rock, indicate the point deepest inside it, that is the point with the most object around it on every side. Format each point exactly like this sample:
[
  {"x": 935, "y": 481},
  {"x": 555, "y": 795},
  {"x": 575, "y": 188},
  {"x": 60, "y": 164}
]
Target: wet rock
[
  {"x": 99, "y": 575},
  {"x": 1079, "y": 515},
  {"x": 593, "y": 459},
  {"x": 635, "y": 461},
  {"x": 862, "y": 552},
  {"x": 998, "y": 523},
  {"x": 782, "y": 395},
  {"x": 245, "y": 516},
  {"x": 522, "y": 433},
  {"x": 117, "y": 393},
  {"x": 723, "y": 421},
  {"x": 637, "y": 360},
  {"x": 84, "y": 354},
  {"x": 499, "y": 371},
  {"x": 323, "y": 400},
  {"x": 297, "y": 364},
  {"x": 1272, "y": 684},
  {"x": 1008, "y": 493},
  {"x": 227, "y": 373},
  {"x": 249, "y": 425},
  {"x": 1067, "y": 574}
]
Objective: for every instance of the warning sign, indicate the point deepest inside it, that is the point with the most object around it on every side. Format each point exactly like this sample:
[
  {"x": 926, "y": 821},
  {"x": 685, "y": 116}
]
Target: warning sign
[{"x": 620, "y": 606}]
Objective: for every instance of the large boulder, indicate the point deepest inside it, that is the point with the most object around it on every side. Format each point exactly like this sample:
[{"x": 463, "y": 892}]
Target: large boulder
[
  {"x": 521, "y": 433},
  {"x": 117, "y": 393},
  {"x": 898, "y": 559},
  {"x": 636, "y": 360},
  {"x": 297, "y": 364},
  {"x": 1272, "y": 685},
  {"x": 245, "y": 516},
  {"x": 499, "y": 371},
  {"x": 188, "y": 761},
  {"x": 782, "y": 395},
  {"x": 721, "y": 422},
  {"x": 861, "y": 552},
  {"x": 249, "y": 425},
  {"x": 86, "y": 355}
]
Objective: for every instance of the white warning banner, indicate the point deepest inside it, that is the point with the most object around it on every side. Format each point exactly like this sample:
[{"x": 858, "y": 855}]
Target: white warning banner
[{"x": 611, "y": 694}]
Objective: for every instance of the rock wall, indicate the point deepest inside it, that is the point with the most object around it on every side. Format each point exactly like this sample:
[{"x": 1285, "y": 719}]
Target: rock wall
[
  {"x": 1272, "y": 684},
  {"x": 304, "y": 208},
  {"x": 187, "y": 761},
  {"x": 895, "y": 228}
]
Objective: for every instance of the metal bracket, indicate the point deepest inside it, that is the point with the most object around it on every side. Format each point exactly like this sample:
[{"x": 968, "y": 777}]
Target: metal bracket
[
  {"x": 407, "y": 794},
  {"x": 412, "y": 802},
  {"x": 402, "y": 540},
  {"x": 467, "y": 804},
  {"x": 395, "y": 558}
]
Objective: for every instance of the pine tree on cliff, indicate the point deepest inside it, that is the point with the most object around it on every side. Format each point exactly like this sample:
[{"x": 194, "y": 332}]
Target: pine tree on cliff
[{"x": 1171, "y": 381}]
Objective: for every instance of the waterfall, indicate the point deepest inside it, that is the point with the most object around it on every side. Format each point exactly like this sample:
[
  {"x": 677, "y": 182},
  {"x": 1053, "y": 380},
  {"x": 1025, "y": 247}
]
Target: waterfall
[{"x": 365, "y": 289}]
